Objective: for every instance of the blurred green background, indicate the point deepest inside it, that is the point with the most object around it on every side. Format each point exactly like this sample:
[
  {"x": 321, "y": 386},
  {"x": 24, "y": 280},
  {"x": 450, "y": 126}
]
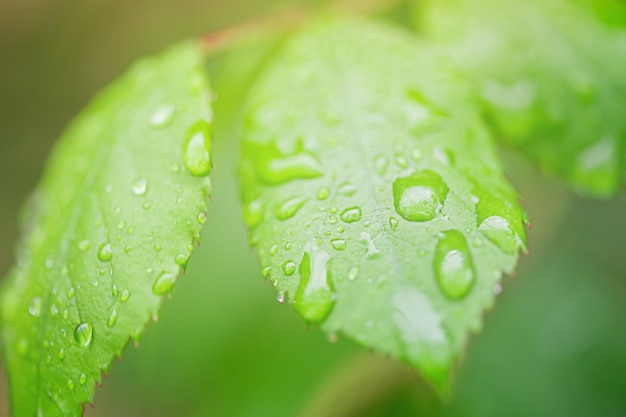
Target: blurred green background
[{"x": 555, "y": 345}]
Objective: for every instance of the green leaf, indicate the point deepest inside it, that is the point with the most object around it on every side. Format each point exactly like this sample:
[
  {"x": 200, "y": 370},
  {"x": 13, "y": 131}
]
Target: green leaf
[
  {"x": 374, "y": 195},
  {"x": 107, "y": 232},
  {"x": 550, "y": 77}
]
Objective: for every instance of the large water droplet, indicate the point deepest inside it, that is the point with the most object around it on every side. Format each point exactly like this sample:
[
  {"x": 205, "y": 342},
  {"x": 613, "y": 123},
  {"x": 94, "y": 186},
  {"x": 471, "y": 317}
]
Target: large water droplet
[
  {"x": 289, "y": 268},
  {"x": 420, "y": 197},
  {"x": 34, "y": 309},
  {"x": 83, "y": 334},
  {"x": 498, "y": 231},
  {"x": 453, "y": 265},
  {"x": 314, "y": 297},
  {"x": 288, "y": 208},
  {"x": 197, "y": 149},
  {"x": 163, "y": 116},
  {"x": 139, "y": 186},
  {"x": 105, "y": 252},
  {"x": 351, "y": 214},
  {"x": 164, "y": 283}
]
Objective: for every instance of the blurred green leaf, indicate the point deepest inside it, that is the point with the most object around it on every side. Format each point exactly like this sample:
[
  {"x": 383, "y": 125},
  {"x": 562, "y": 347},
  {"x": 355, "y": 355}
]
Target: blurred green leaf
[
  {"x": 374, "y": 195},
  {"x": 107, "y": 232},
  {"x": 550, "y": 77}
]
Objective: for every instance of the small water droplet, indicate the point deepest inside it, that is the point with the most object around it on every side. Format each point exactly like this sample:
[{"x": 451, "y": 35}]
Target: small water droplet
[
  {"x": 253, "y": 213},
  {"x": 323, "y": 193},
  {"x": 182, "y": 259},
  {"x": 420, "y": 197},
  {"x": 105, "y": 252},
  {"x": 61, "y": 354},
  {"x": 314, "y": 297},
  {"x": 273, "y": 250},
  {"x": 124, "y": 296},
  {"x": 453, "y": 265},
  {"x": 82, "y": 379},
  {"x": 112, "y": 319},
  {"x": 288, "y": 246},
  {"x": 347, "y": 188},
  {"x": 54, "y": 310},
  {"x": 201, "y": 218},
  {"x": 66, "y": 314},
  {"x": 49, "y": 263},
  {"x": 84, "y": 245},
  {"x": 34, "y": 309},
  {"x": 339, "y": 244},
  {"x": 353, "y": 273},
  {"x": 334, "y": 210},
  {"x": 351, "y": 214},
  {"x": 71, "y": 292},
  {"x": 164, "y": 283},
  {"x": 147, "y": 205},
  {"x": 380, "y": 165},
  {"x": 83, "y": 334},
  {"x": 289, "y": 267},
  {"x": 288, "y": 208},
  {"x": 266, "y": 271},
  {"x": 393, "y": 223},
  {"x": 332, "y": 219},
  {"x": 197, "y": 149},
  {"x": 163, "y": 116},
  {"x": 108, "y": 188},
  {"x": 139, "y": 186},
  {"x": 401, "y": 161},
  {"x": 416, "y": 154},
  {"x": 280, "y": 296},
  {"x": 70, "y": 384}
]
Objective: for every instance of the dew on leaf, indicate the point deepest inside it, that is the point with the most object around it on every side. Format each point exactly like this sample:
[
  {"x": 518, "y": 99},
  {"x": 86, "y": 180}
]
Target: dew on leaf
[
  {"x": 288, "y": 208},
  {"x": 83, "y": 334},
  {"x": 453, "y": 265},
  {"x": 54, "y": 310},
  {"x": 339, "y": 244},
  {"x": 61, "y": 354},
  {"x": 197, "y": 149},
  {"x": 84, "y": 245},
  {"x": 498, "y": 231},
  {"x": 419, "y": 197},
  {"x": 253, "y": 213},
  {"x": 323, "y": 193},
  {"x": 105, "y": 252},
  {"x": 112, "y": 319},
  {"x": 124, "y": 296},
  {"x": 164, "y": 283},
  {"x": 139, "y": 187},
  {"x": 201, "y": 218},
  {"x": 163, "y": 116},
  {"x": 289, "y": 267},
  {"x": 182, "y": 259},
  {"x": 380, "y": 165},
  {"x": 393, "y": 223},
  {"x": 34, "y": 308},
  {"x": 273, "y": 249},
  {"x": 280, "y": 296},
  {"x": 70, "y": 384},
  {"x": 71, "y": 292},
  {"x": 82, "y": 379},
  {"x": 353, "y": 273},
  {"x": 279, "y": 170},
  {"x": 351, "y": 214},
  {"x": 314, "y": 297},
  {"x": 347, "y": 189}
]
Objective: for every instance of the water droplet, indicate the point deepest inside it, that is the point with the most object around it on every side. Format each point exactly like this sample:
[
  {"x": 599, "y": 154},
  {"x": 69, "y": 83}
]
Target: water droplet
[
  {"x": 163, "y": 116},
  {"x": 323, "y": 193},
  {"x": 347, "y": 188},
  {"x": 197, "y": 149},
  {"x": 108, "y": 188},
  {"x": 82, "y": 379},
  {"x": 314, "y": 297},
  {"x": 71, "y": 292},
  {"x": 164, "y": 283},
  {"x": 440, "y": 156},
  {"x": 147, "y": 205},
  {"x": 339, "y": 244},
  {"x": 351, "y": 214},
  {"x": 280, "y": 296},
  {"x": 124, "y": 296},
  {"x": 201, "y": 218},
  {"x": 112, "y": 318},
  {"x": 453, "y": 265},
  {"x": 105, "y": 252},
  {"x": 266, "y": 271},
  {"x": 372, "y": 250},
  {"x": 289, "y": 267},
  {"x": 353, "y": 273},
  {"x": 287, "y": 209},
  {"x": 273, "y": 250},
  {"x": 182, "y": 259},
  {"x": 54, "y": 310},
  {"x": 332, "y": 219},
  {"x": 61, "y": 354},
  {"x": 70, "y": 384},
  {"x": 84, "y": 245},
  {"x": 139, "y": 186},
  {"x": 401, "y": 161},
  {"x": 288, "y": 246},
  {"x": 393, "y": 223},
  {"x": 83, "y": 334},
  {"x": 253, "y": 213},
  {"x": 420, "y": 197},
  {"x": 66, "y": 314},
  {"x": 279, "y": 169},
  {"x": 497, "y": 230},
  {"x": 34, "y": 309},
  {"x": 416, "y": 154},
  {"x": 380, "y": 165},
  {"x": 497, "y": 289}
]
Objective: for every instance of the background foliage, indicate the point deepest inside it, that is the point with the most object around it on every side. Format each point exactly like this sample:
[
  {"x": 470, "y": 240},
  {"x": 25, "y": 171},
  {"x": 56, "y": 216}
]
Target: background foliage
[{"x": 553, "y": 346}]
